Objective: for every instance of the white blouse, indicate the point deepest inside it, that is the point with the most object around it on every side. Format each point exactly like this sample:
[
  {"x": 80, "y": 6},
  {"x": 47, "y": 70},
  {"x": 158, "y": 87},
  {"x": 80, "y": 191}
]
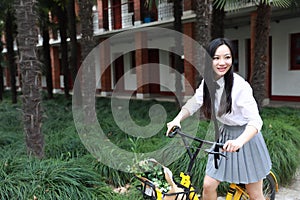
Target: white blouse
[{"x": 244, "y": 107}]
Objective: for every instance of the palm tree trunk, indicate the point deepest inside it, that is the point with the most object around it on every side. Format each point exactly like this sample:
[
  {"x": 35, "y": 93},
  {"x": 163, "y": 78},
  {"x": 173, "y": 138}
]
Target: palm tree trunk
[
  {"x": 217, "y": 24},
  {"x": 62, "y": 23},
  {"x": 261, "y": 52},
  {"x": 203, "y": 21},
  {"x": 86, "y": 17},
  {"x": 73, "y": 38},
  {"x": 87, "y": 44},
  {"x": 30, "y": 71},
  {"x": 178, "y": 45},
  {"x": 1, "y": 73},
  {"x": 47, "y": 60},
  {"x": 11, "y": 53},
  {"x": 202, "y": 32}
]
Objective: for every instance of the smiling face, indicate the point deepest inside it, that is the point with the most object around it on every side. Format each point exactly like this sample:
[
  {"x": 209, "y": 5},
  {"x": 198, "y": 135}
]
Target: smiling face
[{"x": 222, "y": 61}]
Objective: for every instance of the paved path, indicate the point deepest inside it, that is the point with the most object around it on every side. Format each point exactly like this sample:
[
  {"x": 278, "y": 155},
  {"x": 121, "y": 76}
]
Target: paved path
[{"x": 290, "y": 192}]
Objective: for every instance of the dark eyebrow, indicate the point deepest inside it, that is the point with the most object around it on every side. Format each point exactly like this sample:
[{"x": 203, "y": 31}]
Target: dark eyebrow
[{"x": 226, "y": 54}]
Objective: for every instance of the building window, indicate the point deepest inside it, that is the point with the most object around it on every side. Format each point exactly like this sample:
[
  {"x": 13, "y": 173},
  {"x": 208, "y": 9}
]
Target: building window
[
  {"x": 172, "y": 64},
  {"x": 295, "y": 51},
  {"x": 130, "y": 6}
]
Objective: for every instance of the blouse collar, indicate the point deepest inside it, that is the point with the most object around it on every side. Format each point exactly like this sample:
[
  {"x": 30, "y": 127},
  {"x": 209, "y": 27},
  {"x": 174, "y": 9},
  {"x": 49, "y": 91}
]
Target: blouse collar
[{"x": 221, "y": 82}]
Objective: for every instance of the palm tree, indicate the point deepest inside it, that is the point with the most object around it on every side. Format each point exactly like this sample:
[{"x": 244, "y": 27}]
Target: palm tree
[
  {"x": 202, "y": 31},
  {"x": 73, "y": 38},
  {"x": 258, "y": 75},
  {"x": 87, "y": 44},
  {"x": 1, "y": 55},
  {"x": 44, "y": 6},
  {"x": 1, "y": 71},
  {"x": 261, "y": 39},
  {"x": 217, "y": 22},
  {"x": 178, "y": 11},
  {"x": 30, "y": 71},
  {"x": 10, "y": 32},
  {"x": 1, "y": 59},
  {"x": 262, "y": 31},
  {"x": 87, "y": 31},
  {"x": 203, "y": 21}
]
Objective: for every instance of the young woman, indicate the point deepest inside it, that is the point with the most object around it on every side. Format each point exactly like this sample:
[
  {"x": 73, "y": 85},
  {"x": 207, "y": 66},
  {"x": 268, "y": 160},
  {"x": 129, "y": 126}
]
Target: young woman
[{"x": 237, "y": 113}]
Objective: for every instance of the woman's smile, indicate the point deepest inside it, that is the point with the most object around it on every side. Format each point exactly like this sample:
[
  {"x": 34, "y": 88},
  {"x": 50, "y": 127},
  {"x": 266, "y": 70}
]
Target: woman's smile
[{"x": 222, "y": 61}]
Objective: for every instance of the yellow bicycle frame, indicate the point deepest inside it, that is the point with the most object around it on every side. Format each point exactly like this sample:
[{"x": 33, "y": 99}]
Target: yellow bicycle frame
[
  {"x": 236, "y": 192},
  {"x": 186, "y": 182}
]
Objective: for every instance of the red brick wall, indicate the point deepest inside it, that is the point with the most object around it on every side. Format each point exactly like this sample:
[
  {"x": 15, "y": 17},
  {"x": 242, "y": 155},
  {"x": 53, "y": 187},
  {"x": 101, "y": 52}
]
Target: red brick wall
[
  {"x": 189, "y": 5},
  {"x": 141, "y": 57},
  {"x": 100, "y": 16},
  {"x": 105, "y": 70},
  {"x": 137, "y": 10},
  {"x": 189, "y": 70}
]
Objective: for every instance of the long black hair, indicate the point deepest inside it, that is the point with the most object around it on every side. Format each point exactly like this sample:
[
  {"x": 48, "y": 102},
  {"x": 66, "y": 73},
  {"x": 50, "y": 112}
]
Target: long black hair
[{"x": 210, "y": 83}]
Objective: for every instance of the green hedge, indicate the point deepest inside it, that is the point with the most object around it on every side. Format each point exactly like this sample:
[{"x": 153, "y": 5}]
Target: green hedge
[{"x": 69, "y": 172}]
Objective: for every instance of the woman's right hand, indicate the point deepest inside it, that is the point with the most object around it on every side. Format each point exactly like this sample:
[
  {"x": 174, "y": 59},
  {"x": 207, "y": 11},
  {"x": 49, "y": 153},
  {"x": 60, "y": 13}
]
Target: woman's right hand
[
  {"x": 171, "y": 124},
  {"x": 184, "y": 113}
]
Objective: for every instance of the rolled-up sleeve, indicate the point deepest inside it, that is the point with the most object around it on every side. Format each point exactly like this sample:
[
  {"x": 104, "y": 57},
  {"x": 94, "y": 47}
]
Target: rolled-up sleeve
[
  {"x": 249, "y": 108},
  {"x": 194, "y": 103}
]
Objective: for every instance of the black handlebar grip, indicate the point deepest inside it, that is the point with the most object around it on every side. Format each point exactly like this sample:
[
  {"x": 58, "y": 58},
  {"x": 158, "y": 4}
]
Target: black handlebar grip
[{"x": 173, "y": 131}]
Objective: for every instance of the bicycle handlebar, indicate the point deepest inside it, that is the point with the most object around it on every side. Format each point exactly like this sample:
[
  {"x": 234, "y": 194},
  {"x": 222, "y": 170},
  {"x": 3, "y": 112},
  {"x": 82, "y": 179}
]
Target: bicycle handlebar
[
  {"x": 176, "y": 130},
  {"x": 213, "y": 150}
]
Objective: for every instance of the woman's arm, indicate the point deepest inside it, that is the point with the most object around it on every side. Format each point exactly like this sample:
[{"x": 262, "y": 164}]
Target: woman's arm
[
  {"x": 183, "y": 114},
  {"x": 246, "y": 109},
  {"x": 191, "y": 106},
  {"x": 234, "y": 145}
]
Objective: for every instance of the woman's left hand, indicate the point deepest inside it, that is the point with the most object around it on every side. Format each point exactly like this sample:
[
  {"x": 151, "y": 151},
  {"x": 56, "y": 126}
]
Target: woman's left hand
[{"x": 232, "y": 145}]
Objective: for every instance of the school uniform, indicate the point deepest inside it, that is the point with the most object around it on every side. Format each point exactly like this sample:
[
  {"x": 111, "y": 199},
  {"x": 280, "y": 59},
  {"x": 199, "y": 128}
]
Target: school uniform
[{"x": 252, "y": 162}]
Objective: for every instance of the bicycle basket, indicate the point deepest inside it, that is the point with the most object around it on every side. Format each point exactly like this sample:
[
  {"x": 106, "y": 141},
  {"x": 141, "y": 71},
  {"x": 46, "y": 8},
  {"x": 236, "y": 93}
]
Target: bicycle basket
[{"x": 151, "y": 189}]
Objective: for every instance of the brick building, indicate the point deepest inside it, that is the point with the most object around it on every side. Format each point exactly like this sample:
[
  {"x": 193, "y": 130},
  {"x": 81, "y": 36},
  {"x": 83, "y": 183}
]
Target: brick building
[{"x": 113, "y": 17}]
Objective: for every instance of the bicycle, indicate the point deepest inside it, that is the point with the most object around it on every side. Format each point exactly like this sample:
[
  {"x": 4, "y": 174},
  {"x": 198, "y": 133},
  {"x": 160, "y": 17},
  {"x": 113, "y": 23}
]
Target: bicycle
[{"x": 235, "y": 191}]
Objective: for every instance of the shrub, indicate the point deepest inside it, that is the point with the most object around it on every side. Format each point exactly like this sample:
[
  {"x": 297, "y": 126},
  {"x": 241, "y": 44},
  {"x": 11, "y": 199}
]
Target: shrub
[
  {"x": 69, "y": 171},
  {"x": 283, "y": 141}
]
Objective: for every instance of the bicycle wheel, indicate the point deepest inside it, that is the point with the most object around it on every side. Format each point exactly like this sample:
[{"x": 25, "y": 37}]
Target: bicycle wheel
[{"x": 269, "y": 187}]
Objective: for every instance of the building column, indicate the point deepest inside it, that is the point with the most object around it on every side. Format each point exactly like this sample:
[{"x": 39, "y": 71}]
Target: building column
[
  {"x": 105, "y": 70},
  {"x": 100, "y": 14},
  {"x": 55, "y": 66},
  {"x": 142, "y": 73},
  {"x": 189, "y": 5},
  {"x": 189, "y": 69},
  {"x": 137, "y": 12},
  {"x": 252, "y": 43}
]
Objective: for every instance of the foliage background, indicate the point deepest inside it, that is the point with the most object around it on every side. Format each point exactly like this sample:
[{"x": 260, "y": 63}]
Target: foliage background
[{"x": 70, "y": 172}]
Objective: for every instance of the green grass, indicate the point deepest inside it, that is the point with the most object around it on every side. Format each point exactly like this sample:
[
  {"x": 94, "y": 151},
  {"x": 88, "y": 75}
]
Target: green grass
[{"x": 69, "y": 171}]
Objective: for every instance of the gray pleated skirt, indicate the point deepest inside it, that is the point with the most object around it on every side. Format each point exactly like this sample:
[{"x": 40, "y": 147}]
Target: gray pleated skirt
[{"x": 251, "y": 164}]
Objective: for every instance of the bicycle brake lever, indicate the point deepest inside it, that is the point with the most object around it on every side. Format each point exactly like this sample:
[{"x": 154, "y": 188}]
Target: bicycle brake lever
[
  {"x": 173, "y": 131},
  {"x": 215, "y": 153}
]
